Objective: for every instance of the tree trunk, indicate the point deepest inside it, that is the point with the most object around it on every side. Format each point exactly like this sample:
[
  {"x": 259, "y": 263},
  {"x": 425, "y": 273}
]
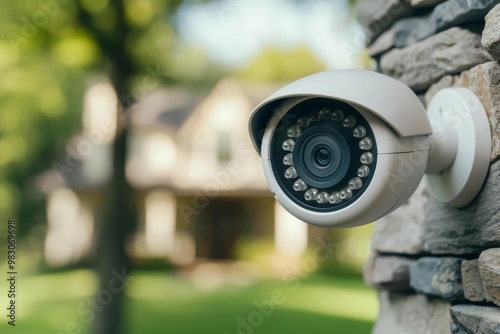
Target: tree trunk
[
  {"x": 111, "y": 255},
  {"x": 119, "y": 208},
  {"x": 119, "y": 211}
]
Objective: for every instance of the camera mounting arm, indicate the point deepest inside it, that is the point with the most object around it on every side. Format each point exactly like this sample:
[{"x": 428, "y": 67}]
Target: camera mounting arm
[{"x": 460, "y": 146}]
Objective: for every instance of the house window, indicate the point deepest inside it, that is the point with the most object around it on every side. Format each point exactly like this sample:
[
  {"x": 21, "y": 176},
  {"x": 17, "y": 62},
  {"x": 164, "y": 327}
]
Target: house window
[{"x": 224, "y": 147}]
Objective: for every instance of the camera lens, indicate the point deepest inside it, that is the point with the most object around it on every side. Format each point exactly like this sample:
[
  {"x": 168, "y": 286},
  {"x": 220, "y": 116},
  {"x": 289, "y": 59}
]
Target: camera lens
[
  {"x": 321, "y": 157},
  {"x": 323, "y": 154}
]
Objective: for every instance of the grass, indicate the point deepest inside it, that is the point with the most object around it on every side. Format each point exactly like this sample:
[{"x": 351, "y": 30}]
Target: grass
[{"x": 162, "y": 303}]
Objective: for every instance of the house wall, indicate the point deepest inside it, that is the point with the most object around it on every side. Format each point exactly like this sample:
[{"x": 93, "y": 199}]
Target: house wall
[
  {"x": 437, "y": 269},
  {"x": 215, "y": 155}
]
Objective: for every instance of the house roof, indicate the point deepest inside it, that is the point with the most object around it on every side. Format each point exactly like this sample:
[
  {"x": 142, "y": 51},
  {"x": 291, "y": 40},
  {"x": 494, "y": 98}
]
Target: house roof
[{"x": 165, "y": 108}]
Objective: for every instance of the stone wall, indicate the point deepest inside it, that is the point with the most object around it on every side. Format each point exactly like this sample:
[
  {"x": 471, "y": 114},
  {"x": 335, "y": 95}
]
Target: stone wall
[{"x": 437, "y": 269}]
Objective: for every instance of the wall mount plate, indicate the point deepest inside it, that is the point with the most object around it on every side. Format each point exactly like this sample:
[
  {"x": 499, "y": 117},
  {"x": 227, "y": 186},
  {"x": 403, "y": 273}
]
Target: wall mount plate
[{"x": 462, "y": 110}]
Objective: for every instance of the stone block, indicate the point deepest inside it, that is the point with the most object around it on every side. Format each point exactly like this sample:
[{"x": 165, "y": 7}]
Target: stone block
[
  {"x": 456, "y": 12},
  {"x": 448, "y": 14},
  {"x": 382, "y": 44},
  {"x": 472, "y": 282},
  {"x": 412, "y": 314},
  {"x": 476, "y": 319},
  {"x": 376, "y": 16},
  {"x": 424, "y": 63},
  {"x": 388, "y": 272},
  {"x": 468, "y": 230},
  {"x": 491, "y": 33},
  {"x": 489, "y": 268},
  {"x": 413, "y": 29},
  {"x": 438, "y": 276}
]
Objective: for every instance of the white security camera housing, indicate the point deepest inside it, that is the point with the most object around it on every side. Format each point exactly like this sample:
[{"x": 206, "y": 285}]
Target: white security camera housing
[{"x": 345, "y": 148}]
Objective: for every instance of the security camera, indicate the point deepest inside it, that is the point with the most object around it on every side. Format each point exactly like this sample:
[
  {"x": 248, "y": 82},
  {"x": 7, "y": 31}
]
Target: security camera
[{"x": 345, "y": 148}]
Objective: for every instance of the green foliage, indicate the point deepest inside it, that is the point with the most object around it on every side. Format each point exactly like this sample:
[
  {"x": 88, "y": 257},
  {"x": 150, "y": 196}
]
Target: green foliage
[
  {"x": 279, "y": 65},
  {"x": 48, "y": 52},
  {"x": 43, "y": 60}
]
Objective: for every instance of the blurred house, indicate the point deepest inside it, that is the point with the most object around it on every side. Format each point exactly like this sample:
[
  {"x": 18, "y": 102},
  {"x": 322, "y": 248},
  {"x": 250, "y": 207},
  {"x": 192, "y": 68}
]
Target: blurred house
[{"x": 199, "y": 184}]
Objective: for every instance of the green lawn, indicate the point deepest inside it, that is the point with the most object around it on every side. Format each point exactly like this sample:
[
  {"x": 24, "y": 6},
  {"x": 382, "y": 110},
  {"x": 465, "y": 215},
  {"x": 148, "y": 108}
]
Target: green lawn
[{"x": 161, "y": 303}]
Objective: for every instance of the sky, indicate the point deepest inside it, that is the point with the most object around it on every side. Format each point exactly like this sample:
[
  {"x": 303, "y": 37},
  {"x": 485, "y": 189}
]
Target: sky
[{"x": 232, "y": 32}]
